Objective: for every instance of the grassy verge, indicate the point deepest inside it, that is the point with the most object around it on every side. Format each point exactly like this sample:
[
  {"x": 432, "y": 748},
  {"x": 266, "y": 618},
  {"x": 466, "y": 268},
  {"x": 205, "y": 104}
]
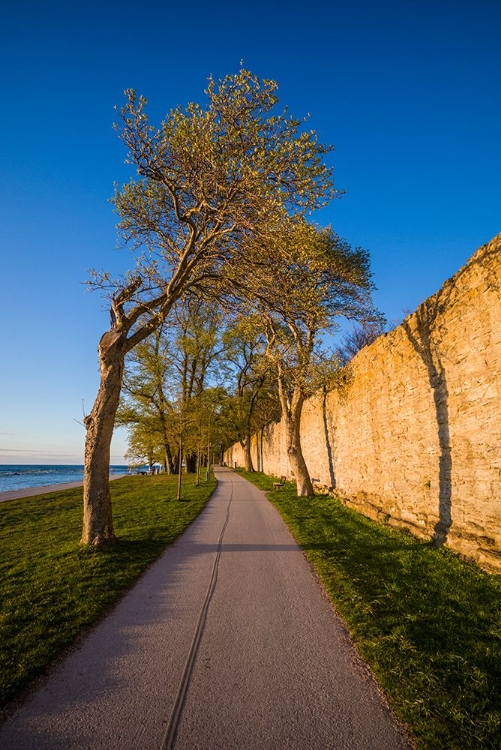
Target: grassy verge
[
  {"x": 50, "y": 588},
  {"x": 426, "y": 621}
]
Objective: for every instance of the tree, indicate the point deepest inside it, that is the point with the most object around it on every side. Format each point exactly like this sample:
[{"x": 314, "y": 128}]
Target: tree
[
  {"x": 145, "y": 406},
  {"x": 197, "y": 339},
  {"x": 208, "y": 180},
  {"x": 360, "y": 336},
  {"x": 255, "y": 401},
  {"x": 144, "y": 445},
  {"x": 165, "y": 373},
  {"x": 322, "y": 279}
]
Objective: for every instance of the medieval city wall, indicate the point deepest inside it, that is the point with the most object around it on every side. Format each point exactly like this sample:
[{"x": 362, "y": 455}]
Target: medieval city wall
[{"x": 414, "y": 434}]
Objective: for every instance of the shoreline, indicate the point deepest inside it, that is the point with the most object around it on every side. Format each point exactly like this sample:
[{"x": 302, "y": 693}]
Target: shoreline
[{"x": 45, "y": 489}]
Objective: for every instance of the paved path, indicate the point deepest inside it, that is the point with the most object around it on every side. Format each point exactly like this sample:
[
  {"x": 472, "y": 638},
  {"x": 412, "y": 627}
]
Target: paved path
[{"x": 226, "y": 643}]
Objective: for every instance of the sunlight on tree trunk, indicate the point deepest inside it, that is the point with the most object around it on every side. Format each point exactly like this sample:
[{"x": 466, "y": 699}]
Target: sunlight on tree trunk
[
  {"x": 248, "y": 453},
  {"x": 292, "y": 420},
  {"x": 323, "y": 279},
  {"x": 97, "y": 522}
]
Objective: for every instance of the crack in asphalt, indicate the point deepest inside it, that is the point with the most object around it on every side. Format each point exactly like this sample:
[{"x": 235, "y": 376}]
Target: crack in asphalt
[{"x": 175, "y": 717}]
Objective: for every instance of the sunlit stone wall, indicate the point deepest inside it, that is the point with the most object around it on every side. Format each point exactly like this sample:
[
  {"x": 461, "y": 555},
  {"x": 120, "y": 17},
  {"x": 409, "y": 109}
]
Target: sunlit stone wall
[{"x": 414, "y": 435}]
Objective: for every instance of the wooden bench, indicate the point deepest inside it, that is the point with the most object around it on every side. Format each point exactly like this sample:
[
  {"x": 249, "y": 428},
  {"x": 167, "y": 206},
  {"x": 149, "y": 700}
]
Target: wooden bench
[{"x": 280, "y": 484}]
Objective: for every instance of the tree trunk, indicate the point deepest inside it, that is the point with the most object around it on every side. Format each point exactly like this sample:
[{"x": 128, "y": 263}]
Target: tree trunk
[
  {"x": 180, "y": 469},
  {"x": 292, "y": 418},
  {"x": 247, "y": 452},
  {"x": 199, "y": 461},
  {"x": 168, "y": 463},
  {"x": 97, "y": 521},
  {"x": 175, "y": 463},
  {"x": 168, "y": 460}
]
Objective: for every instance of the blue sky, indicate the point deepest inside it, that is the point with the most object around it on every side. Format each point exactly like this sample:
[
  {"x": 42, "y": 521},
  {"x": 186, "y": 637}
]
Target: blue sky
[{"x": 407, "y": 92}]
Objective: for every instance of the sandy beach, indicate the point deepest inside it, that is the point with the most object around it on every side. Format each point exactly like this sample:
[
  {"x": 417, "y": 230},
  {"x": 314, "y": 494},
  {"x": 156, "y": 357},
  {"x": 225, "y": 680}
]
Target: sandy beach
[{"x": 44, "y": 489}]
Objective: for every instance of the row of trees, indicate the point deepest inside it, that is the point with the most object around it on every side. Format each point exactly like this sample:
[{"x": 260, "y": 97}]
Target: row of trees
[
  {"x": 209, "y": 380},
  {"x": 218, "y": 218},
  {"x": 200, "y": 382}
]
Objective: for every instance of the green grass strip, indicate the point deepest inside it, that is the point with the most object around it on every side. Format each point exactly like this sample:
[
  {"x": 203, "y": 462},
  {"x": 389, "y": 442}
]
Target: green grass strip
[
  {"x": 426, "y": 621},
  {"x": 51, "y": 587}
]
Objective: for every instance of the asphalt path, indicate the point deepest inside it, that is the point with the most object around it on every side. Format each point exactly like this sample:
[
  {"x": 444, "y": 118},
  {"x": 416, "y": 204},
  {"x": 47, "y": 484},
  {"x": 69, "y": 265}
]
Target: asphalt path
[{"x": 227, "y": 642}]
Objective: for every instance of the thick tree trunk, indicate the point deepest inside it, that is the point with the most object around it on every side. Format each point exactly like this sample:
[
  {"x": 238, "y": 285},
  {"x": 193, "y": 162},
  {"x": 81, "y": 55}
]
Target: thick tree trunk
[
  {"x": 247, "y": 452},
  {"x": 292, "y": 418},
  {"x": 169, "y": 461},
  {"x": 175, "y": 464},
  {"x": 97, "y": 521},
  {"x": 168, "y": 464}
]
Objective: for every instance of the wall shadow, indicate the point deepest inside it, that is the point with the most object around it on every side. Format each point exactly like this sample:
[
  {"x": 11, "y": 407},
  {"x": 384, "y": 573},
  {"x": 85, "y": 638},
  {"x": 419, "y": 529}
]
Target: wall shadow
[
  {"x": 328, "y": 443},
  {"x": 421, "y": 340},
  {"x": 259, "y": 447}
]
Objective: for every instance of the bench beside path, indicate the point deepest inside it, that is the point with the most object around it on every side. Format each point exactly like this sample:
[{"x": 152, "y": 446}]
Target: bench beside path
[{"x": 228, "y": 641}]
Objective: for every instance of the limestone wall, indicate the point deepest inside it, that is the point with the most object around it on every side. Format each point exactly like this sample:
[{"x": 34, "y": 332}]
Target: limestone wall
[{"x": 414, "y": 435}]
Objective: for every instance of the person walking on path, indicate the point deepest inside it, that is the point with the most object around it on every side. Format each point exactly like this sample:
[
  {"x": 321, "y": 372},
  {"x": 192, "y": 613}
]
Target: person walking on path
[{"x": 228, "y": 641}]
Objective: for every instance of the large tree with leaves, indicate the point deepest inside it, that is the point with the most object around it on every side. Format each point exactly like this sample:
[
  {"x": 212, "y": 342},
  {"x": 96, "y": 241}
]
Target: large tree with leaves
[
  {"x": 321, "y": 278},
  {"x": 208, "y": 179}
]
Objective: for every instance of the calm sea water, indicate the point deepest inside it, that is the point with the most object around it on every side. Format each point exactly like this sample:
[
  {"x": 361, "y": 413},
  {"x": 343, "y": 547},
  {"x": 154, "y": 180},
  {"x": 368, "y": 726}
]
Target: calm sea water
[{"x": 13, "y": 477}]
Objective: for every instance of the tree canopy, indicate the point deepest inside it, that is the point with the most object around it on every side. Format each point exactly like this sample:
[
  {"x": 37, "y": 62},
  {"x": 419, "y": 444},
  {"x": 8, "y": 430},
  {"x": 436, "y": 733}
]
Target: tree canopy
[
  {"x": 213, "y": 182},
  {"x": 320, "y": 279}
]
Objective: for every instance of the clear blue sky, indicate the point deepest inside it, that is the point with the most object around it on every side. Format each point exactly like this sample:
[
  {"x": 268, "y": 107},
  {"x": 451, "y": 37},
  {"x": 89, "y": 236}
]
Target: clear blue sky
[{"x": 407, "y": 92}]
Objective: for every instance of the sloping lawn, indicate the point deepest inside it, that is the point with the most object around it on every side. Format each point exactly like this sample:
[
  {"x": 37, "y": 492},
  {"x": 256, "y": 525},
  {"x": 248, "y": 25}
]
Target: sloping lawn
[{"x": 51, "y": 588}]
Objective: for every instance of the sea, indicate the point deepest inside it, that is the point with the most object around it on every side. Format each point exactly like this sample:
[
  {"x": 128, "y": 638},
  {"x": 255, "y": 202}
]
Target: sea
[{"x": 14, "y": 477}]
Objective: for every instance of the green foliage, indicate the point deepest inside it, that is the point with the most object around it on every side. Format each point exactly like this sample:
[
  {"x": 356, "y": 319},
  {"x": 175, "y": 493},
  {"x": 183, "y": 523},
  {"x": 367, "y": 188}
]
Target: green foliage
[
  {"x": 208, "y": 178},
  {"x": 166, "y": 396},
  {"x": 51, "y": 588},
  {"x": 314, "y": 279},
  {"x": 426, "y": 621},
  {"x": 237, "y": 143},
  {"x": 308, "y": 279},
  {"x": 253, "y": 401}
]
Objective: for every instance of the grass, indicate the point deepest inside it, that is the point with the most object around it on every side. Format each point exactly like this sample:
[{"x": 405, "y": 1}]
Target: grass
[
  {"x": 426, "y": 621},
  {"x": 51, "y": 588}
]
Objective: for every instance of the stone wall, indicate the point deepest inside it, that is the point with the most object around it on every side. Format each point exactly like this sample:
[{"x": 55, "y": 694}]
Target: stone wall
[{"x": 414, "y": 435}]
